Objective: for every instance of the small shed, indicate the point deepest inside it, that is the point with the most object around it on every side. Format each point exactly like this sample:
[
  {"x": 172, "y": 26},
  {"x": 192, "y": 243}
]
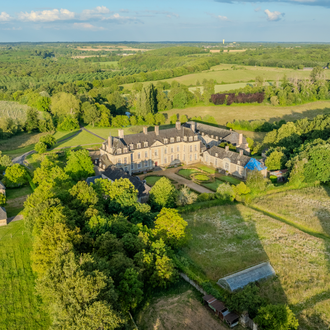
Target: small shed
[
  {"x": 231, "y": 319},
  {"x": 3, "y": 216},
  {"x": 250, "y": 275},
  {"x": 218, "y": 307}
]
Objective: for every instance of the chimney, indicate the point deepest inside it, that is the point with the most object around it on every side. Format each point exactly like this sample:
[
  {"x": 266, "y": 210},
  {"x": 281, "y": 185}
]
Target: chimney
[
  {"x": 240, "y": 139},
  {"x": 227, "y": 148},
  {"x": 145, "y": 130},
  {"x": 109, "y": 142},
  {"x": 157, "y": 130},
  {"x": 241, "y": 152},
  {"x": 193, "y": 127},
  {"x": 121, "y": 133},
  {"x": 178, "y": 125}
]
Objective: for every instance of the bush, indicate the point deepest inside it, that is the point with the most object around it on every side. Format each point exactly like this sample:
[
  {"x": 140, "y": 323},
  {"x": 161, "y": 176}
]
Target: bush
[
  {"x": 230, "y": 98},
  {"x": 40, "y": 148},
  {"x": 68, "y": 123},
  {"x": 49, "y": 140},
  {"x": 225, "y": 192},
  {"x": 186, "y": 197},
  {"x": 273, "y": 178}
]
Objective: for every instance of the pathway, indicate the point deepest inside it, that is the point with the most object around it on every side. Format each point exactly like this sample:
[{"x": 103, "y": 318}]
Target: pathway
[
  {"x": 20, "y": 159},
  {"x": 93, "y": 133}
]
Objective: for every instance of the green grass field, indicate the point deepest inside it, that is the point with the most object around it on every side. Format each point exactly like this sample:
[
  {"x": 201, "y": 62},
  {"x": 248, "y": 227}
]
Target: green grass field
[
  {"x": 201, "y": 177},
  {"x": 230, "y": 179},
  {"x": 18, "y": 192},
  {"x": 213, "y": 185},
  {"x": 20, "y": 308},
  {"x": 227, "y": 239},
  {"x": 186, "y": 172},
  {"x": 152, "y": 179},
  {"x": 207, "y": 169}
]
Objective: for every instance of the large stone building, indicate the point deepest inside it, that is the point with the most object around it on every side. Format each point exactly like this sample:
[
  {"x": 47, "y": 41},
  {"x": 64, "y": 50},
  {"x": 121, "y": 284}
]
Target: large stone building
[{"x": 147, "y": 150}]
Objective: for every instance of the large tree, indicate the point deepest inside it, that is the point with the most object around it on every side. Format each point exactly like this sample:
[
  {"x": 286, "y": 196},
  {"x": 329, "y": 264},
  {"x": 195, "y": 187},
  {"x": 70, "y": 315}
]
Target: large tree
[
  {"x": 79, "y": 165},
  {"x": 163, "y": 194},
  {"x": 64, "y": 104},
  {"x": 146, "y": 102}
]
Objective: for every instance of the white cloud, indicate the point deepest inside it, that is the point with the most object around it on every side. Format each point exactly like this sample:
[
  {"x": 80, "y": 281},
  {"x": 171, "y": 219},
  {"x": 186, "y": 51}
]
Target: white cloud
[
  {"x": 96, "y": 12},
  {"x": 47, "y": 15},
  {"x": 273, "y": 16},
  {"x": 87, "y": 26},
  {"x": 4, "y": 17},
  {"x": 223, "y": 18}
]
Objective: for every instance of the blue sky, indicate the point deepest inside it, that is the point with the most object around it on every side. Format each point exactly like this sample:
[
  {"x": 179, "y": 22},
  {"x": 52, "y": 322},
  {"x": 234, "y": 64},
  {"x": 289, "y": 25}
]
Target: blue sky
[{"x": 171, "y": 20}]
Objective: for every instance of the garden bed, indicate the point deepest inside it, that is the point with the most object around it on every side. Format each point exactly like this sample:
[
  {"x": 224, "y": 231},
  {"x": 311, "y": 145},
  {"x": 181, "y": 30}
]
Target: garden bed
[{"x": 187, "y": 172}]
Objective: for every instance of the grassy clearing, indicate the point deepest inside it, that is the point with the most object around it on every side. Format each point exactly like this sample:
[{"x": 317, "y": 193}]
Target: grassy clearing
[
  {"x": 152, "y": 179},
  {"x": 20, "y": 308},
  {"x": 201, "y": 177},
  {"x": 213, "y": 185},
  {"x": 18, "y": 192},
  {"x": 224, "y": 73},
  {"x": 308, "y": 207},
  {"x": 15, "y": 206},
  {"x": 224, "y": 114},
  {"x": 187, "y": 172},
  {"x": 230, "y": 179},
  {"x": 207, "y": 169},
  {"x": 227, "y": 239},
  {"x": 14, "y": 110}
]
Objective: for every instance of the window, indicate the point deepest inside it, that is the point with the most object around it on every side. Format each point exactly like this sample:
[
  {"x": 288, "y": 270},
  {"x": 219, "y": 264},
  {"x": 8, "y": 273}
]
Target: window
[
  {"x": 138, "y": 145},
  {"x": 216, "y": 163},
  {"x": 119, "y": 151},
  {"x": 119, "y": 161},
  {"x": 165, "y": 151},
  {"x": 146, "y": 154},
  {"x": 145, "y": 144},
  {"x": 178, "y": 139},
  {"x": 145, "y": 163},
  {"x": 211, "y": 136},
  {"x": 195, "y": 156},
  {"x": 126, "y": 169},
  {"x": 165, "y": 160},
  {"x": 172, "y": 139},
  {"x": 172, "y": 158},
  {"x": 139, "y": 165},
  {"x": 131, "y": 146},
  {"x": 177, "y": 148},
  {"x": 139, "y": 156},
  {"x": 190, "y": 148},
  {"x": 195, "y": 147},
  {"x": 184, "y": 157},
  {"x": 206, "y": 158},
  {"x": 156, "y": 153},
  {"x": 216, "y": 155},
  {"x": 190, "y": 138},
  {"x": 227, "y": 166},
  {"x": 172, "y": 150},
  {"x": 184, "y": 148},
  {"x": 203, "y": 133},
  {"x": 178, "y": 156},
  {"x": 165, "y": 141},
  {"x": 125, "y": 160},
  {"x": 185, "y": 138},
  {"x": 190, "y": 157},
  {"x": 132, "y": 166},
  {"x": 195, "y": 138},
  {"x": 125, "y": 150}
]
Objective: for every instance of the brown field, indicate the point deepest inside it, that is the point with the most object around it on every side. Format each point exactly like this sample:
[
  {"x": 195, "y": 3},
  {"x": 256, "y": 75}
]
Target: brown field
[{"x": 224, "y": 114}]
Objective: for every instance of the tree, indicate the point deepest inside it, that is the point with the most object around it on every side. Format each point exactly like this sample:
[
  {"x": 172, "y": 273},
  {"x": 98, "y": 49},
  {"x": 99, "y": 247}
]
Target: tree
[
  {"x": 170, "y": 227},
  {"x": 68, "y": 123},
  {"x": 256, "y": 182},
  {"x": 133, "y": 120},
  {"x": 276, "y": 160},
  {"x": 43, "y": 103},
  {"x": 79, "y": 165},
  {"x": 162, "y": 194},
  {"x": 241, "y": 189},
  {"x": 49, "y": 140},
  {"x": 163, "y": 102},
  {"x": 183, "y": 119},
  {"x": 259, "y": 81},
  {"x": 2, "y": 199},
  {"x": 64, "y": 104},
  {"x": 5, "y": 161},
  {"x": 160, "y": 119},
  {"x": 186, "y": 197},
  {"x": 32, "y": 120},
  {"x": 276, "y": 317},
  {"x": 40, "y": 147},
  {"x": 173, "y": 119},
  {"x": 317, "y": 74},
  {"x": 16, "y": 174},
  {"x": 90, "y": 113},
  {"x": 225, "y": 192},
  {"x": 117, "y": 103},
  {"x": 146, "y": 102},
  {"x": 150, "y": 119}
]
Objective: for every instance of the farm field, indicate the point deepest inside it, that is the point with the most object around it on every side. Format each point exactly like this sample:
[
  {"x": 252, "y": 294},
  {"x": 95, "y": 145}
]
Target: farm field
[
  {"x": 112, "y": 63},
  {"x": 227, "y": 239},
  {"x": 224, "y": 73},
  {"x": 224, "y": 113},
  {"x": 308, "y": 207},
  {"x": 20, "y": 308}
]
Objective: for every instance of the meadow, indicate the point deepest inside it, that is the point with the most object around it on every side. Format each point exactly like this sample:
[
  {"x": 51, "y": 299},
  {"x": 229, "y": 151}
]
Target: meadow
[
  {"x": 228, "y": 239},
  {"x": 20, "y": 308}
]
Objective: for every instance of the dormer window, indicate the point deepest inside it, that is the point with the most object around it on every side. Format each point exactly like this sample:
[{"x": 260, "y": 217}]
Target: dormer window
[
  {"x": 195, "y": 137},
  {"x": 178, "y": 139},
  {"x": 131, "y": 146},
  {"x": 145, "y": 144},
  {"x": 211, "y": 136},
  {"x": 190, "y": 138},
  {"x": 125, "y": 150},
  {"x": 119, "y": 151},
  {"x": 216, "y": 155},
  {"x": 185, "y": 138},
  {"x": 171, "y": 139},
  {"x": 138, "y": 145},
  {"x": 165, "y": 141},
  {"x": 203, "y": 133}
]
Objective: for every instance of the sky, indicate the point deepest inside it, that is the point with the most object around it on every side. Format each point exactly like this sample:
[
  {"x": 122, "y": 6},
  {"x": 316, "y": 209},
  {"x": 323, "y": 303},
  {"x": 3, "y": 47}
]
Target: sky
[{"x": 170, "y": 20}]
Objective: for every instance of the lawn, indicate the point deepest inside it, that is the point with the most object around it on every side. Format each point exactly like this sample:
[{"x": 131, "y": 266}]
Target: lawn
[
  {"x": 201, "y": 177},
  {"x": 207, "y": 169},
  {"x": 308, "y": 207},
  {"x": 230, "y": 179},
  {"x": 213, "y": 185},
  {"x": 20, "y": 308},
  {"x": 18, "y": 192},
  {"x": 227, "y": 239},
  {"x": 152, "y": 179},
  {"x": 186, "y": 172}
]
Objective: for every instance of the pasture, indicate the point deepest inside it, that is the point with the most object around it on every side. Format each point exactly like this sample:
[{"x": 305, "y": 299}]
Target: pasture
[
  {"x": 20, "y": 308},
  {"x": 228, "y": 239}
]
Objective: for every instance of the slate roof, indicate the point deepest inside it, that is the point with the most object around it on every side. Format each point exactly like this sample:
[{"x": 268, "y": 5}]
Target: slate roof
[
  {"x": 3, "y": 213},
  {"x": 250, "y": 275},
  {"x": 233, "y": 156},
  {"x": 2, "y": 186},
  {"x": 105, "y": 160},
  {"x": 151, "y": 138},
  {"x": 93, "y": 178},
  {"x": 115, "y": 173}
]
